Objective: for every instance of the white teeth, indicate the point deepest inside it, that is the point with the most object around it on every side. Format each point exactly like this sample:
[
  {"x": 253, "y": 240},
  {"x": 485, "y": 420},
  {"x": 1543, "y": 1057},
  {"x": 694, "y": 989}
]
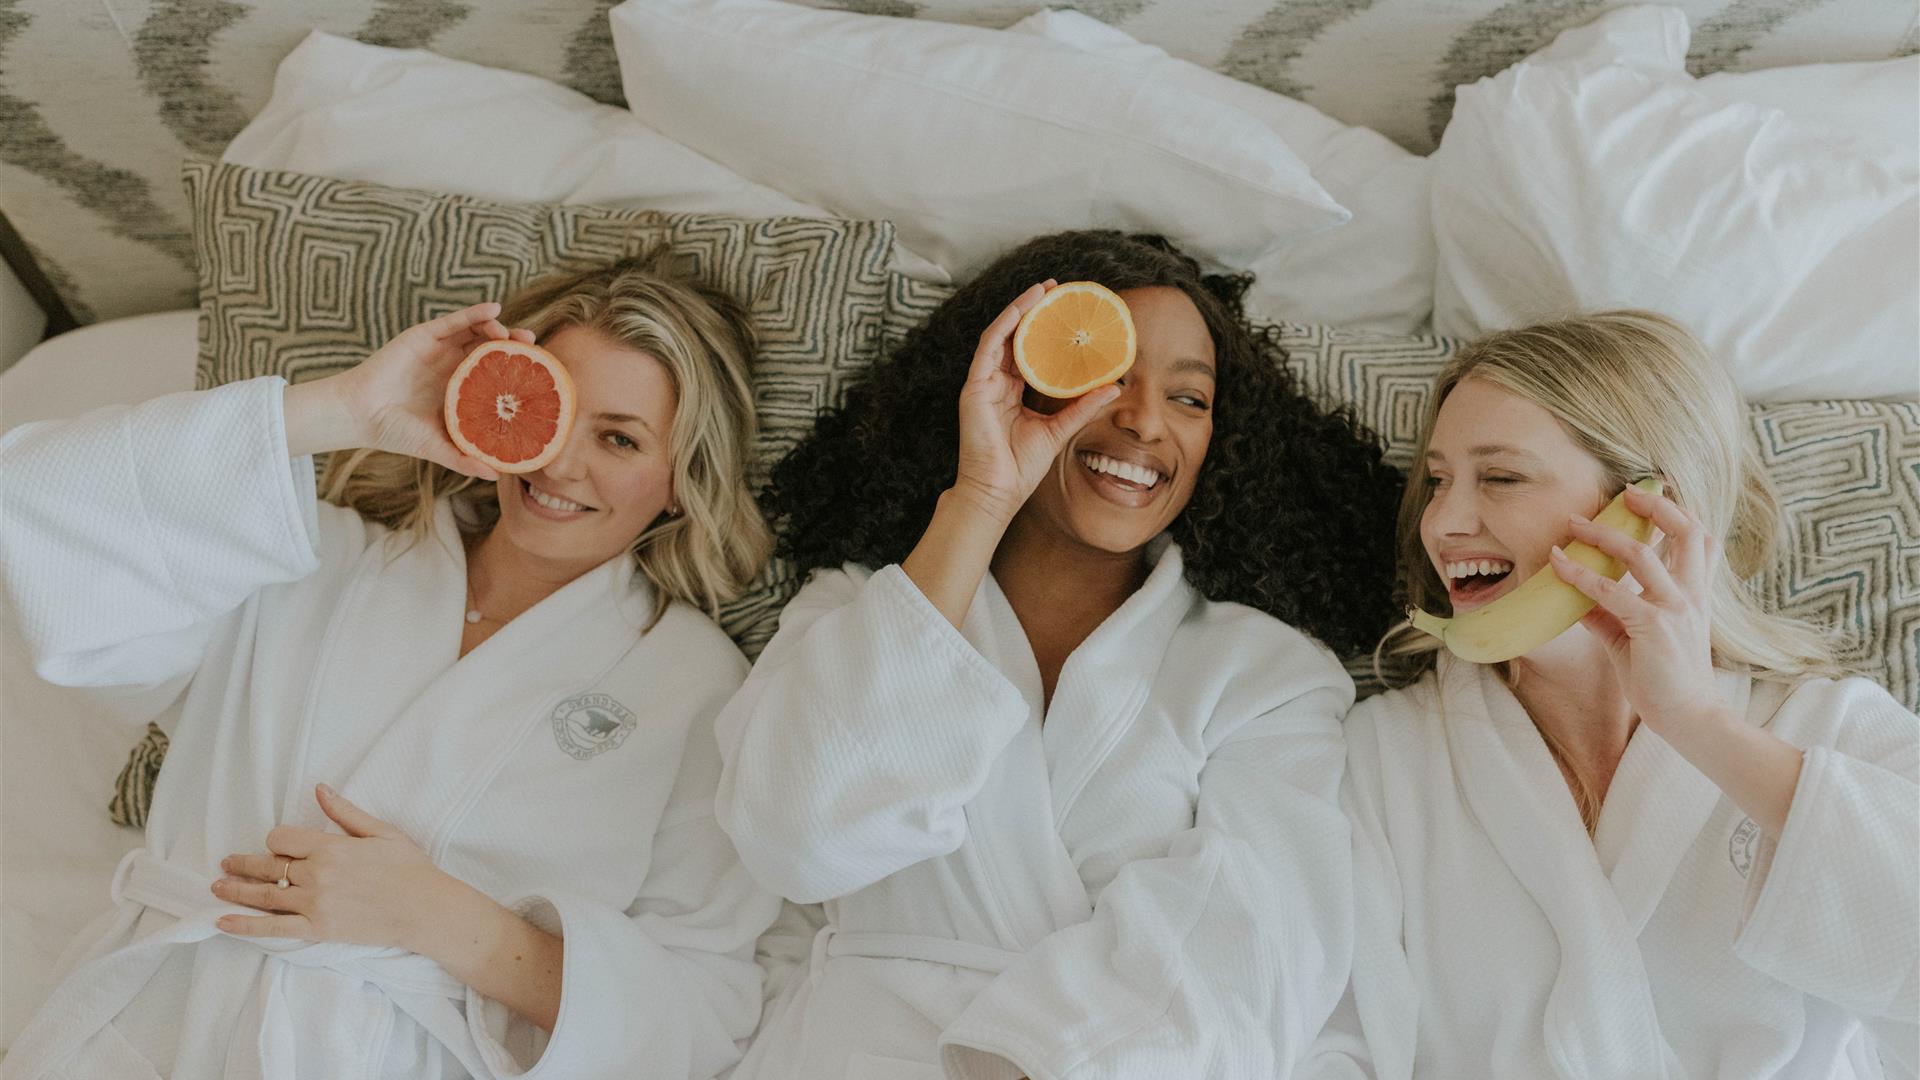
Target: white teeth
[
  {"x": 552, "y": 502},
  {"x": 1471, "y": 567},
  {"x": 1125, "y": 470}
]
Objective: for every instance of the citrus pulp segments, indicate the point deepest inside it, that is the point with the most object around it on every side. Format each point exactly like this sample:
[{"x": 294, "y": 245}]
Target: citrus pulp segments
[
  {"x": 510, "y": 405},
  {"x": 1045, "y": 347}
]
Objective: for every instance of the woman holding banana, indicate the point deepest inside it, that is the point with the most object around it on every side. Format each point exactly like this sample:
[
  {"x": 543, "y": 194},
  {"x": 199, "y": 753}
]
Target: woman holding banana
[{"x": 1666, "y": 841}]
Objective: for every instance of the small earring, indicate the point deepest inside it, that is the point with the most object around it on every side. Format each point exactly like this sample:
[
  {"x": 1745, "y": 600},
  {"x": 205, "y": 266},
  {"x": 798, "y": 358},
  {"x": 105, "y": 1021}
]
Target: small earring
[{"x": 673, "y": 511}]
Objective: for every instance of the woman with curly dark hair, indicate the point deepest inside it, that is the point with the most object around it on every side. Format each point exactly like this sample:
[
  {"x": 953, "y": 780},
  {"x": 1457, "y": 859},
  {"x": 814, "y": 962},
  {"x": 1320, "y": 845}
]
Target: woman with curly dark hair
[{"x": 1033, "y": 730}]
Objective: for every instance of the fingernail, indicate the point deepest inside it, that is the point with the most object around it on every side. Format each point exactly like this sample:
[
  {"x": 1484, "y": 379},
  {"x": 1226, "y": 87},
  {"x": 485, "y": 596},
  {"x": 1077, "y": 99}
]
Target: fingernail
[
  {"x": 1558, "y": 553},
  {"x": 227, "y": 865},
  {"x": 325, "y": 790},
  {"x": 215, "y": 888}
]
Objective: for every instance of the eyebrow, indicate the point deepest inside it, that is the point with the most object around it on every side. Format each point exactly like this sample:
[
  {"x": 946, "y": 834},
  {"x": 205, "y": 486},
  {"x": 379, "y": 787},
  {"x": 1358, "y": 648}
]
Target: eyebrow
[
  {"x": 1194, "y": 364},
  {"x": 623, "y": 418},
  {"x": 1494, "y": 450}
]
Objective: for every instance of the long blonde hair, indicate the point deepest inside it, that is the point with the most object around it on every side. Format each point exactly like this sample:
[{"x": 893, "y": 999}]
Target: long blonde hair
[
  {"x": 712, "y": 548},
  {"x": 1644, "y": 397}
]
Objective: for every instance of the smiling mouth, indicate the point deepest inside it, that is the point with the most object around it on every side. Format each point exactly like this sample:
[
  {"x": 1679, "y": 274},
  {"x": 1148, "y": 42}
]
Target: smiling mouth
[
  {"x": 1123, "y": 474},
  {"x": 1472, "y": 580},
  {"x": 549, "y": 501}
]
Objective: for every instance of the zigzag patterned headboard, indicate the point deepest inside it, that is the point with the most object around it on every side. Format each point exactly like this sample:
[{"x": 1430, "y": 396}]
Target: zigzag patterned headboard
[{"x": 99, "y": 101}]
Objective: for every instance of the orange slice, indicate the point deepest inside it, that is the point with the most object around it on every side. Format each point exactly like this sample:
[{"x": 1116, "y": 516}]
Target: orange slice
[
  {"x": 510, "y": 405},
  {"x": 1078, "y": 338}
]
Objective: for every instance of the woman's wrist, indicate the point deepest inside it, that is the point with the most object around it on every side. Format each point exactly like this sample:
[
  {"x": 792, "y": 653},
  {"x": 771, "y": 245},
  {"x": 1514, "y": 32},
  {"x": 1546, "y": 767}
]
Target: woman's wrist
[
  {"x": 452, "y": 924},
  {"x": 322, "y": 416},
  {"x": 955, "y": 551},
  {"x": 1754, "y": 768}
]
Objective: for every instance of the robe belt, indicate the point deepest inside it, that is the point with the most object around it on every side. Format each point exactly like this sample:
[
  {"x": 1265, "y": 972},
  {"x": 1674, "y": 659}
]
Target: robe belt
[
  {"x": 183, "y": 893},
  {"x": 832, "y": 941}
]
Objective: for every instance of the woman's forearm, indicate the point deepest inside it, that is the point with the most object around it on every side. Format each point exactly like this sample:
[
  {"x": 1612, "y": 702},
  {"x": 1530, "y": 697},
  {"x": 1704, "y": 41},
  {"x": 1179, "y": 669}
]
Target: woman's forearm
[
  {"x": 497, "y": 953},
  {"x": 1752, "y": 766},
  {"x": 954, "y": 553}
]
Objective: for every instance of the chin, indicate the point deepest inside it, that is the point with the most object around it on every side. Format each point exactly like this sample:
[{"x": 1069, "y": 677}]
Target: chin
[{"x": 1101, "y": 532}]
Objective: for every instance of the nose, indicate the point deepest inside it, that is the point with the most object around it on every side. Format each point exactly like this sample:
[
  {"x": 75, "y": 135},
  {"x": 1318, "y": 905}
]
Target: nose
[
  {"x": 1138, "y": 412},
  {"x": 1454, "y": 510},
  {"x": 570, "y": 462}
]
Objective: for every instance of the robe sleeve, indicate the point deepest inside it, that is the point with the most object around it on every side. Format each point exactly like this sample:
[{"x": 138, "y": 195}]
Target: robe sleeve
[
  {"x": 1834, "y": 907},
  {"x": 865, "y": 728},
  {"x": 1221, "y": 958},
  {"x": 668, "y": 987},
  {"x": 129, "y": 533}
]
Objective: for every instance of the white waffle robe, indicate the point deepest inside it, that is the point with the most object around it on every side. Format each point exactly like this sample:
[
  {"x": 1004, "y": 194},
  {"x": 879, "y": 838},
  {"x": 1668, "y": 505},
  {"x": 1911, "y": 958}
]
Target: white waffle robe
[{"x": 565, "y": 767}]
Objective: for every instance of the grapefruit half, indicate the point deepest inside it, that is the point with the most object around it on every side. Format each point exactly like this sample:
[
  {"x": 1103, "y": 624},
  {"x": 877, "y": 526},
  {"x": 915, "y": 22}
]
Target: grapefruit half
[{"x": 510, "y": 405}]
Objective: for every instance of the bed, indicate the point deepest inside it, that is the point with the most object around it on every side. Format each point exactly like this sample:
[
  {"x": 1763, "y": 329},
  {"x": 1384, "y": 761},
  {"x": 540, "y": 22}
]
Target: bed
[{"x": 1323, "y": 147}]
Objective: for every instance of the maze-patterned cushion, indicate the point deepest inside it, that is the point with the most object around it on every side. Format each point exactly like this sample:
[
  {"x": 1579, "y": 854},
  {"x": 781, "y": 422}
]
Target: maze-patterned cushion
[
  {"x": 302, "y": 276},
  {"x": 1847, "y": 472}
]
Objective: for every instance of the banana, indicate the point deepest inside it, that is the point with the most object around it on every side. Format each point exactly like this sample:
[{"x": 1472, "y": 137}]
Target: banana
[{"x": 1543, "y": 606}]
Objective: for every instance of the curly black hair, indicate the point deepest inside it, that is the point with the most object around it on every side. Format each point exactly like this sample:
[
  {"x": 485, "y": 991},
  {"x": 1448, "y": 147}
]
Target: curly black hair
[{"x": 1292, "y": 512}]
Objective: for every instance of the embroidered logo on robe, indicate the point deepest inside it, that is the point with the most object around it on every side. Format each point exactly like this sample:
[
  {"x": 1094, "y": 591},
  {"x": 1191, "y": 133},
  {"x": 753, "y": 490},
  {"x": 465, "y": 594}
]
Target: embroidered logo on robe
[
  {"x": 1741, "y": 849},
  {"x": 591, "y": 724}
]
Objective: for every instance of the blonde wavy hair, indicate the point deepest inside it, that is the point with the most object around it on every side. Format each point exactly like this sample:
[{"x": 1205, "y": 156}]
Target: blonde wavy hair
[
  {"x": 1644, "y": 397},
  {"x": 713, "y": 547}
]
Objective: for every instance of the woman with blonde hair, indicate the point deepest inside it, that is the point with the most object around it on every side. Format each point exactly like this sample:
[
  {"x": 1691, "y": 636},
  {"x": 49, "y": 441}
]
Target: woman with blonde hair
[
  {"x": 440, "y": 796},
  {"x": 1668, "y": 842}
]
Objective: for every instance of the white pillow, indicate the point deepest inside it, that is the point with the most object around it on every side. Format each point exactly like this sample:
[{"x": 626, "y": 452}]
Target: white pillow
[
  {"x": 411, "y": 118},
  {"x": 969, "y": 140},
  {"x": 1599, "y": 174},
  {"x": 1874, "y": 100},
  {"x": 1373, "y": 273}
]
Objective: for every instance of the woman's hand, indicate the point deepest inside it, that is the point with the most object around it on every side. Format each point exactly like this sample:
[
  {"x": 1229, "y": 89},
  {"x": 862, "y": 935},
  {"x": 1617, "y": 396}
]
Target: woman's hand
[
  {"x": 1658, "y": 639},
  {"x": 394, "y": 399},
  {"x": 1661, "y": 647},
  {"x": 1005, "y": 447},
  {"x": 372, "y": 886}
]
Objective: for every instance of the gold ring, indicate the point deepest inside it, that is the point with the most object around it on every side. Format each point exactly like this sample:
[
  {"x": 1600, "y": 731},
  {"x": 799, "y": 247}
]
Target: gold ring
[{"x": 282, "y": 883}]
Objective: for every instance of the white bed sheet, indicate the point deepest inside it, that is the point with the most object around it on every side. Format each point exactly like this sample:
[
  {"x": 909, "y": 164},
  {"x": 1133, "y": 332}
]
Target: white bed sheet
[{"x": 60, "y": 749}]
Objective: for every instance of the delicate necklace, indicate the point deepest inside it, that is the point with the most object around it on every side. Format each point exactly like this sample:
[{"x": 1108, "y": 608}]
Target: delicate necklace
[{"x": 473, "y": 608}]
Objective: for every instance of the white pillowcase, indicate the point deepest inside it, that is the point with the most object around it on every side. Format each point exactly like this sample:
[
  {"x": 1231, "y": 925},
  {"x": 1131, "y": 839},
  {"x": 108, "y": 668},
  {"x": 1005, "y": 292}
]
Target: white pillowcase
[
  {"x": 1376, "y": 271},
  {"x": 969, "y": 140},
  {"x": 1599, "y": 174},
  {"x": 411, "y": 118}
]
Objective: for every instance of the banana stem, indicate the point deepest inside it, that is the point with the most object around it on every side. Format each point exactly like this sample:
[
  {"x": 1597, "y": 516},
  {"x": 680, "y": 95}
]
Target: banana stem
[{"x": 1427, "y": 623}]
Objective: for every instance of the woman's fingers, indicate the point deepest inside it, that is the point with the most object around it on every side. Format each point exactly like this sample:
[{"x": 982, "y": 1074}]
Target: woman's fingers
[
  {"x": 296, "y": 842},
  {"x": 1692, "y": 550},
  {"x": 348, "y": 815},
  {"x": 1067, "y": 423},
  {"x": 1639, "y": 558},
  {"x": 995, "y": 352},
  {"x": 267, "y": 867},
  {"x": 1604, "y": 625},
  {"x": 1631, "y": 609},
  {"x": 260, "y": 895},
  {"x": 482, "y": 317}
]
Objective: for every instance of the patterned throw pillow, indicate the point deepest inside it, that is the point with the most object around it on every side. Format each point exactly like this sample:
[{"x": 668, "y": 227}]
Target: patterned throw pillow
[{"x": 302, "y": 276}]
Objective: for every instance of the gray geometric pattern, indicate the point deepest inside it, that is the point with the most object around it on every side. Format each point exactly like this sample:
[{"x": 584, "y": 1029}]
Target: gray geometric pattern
[
  {"x": 99, "y": 101},
  {"x": 302, "y": 276}
]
